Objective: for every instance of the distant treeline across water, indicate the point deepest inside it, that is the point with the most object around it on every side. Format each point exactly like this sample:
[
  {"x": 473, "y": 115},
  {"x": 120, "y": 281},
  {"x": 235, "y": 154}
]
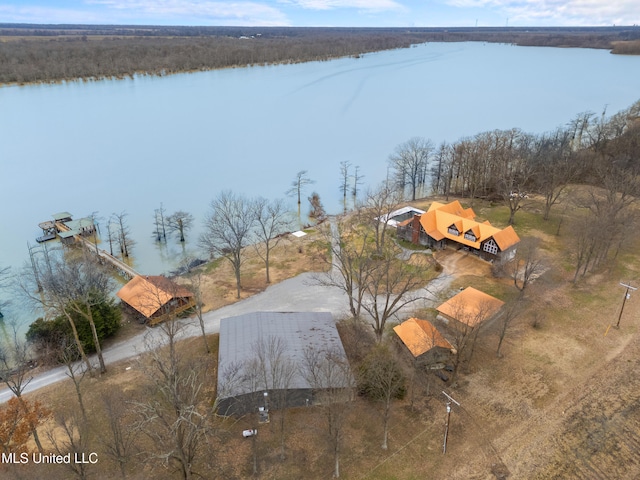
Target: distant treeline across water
[{"x": 52, "y": 53}]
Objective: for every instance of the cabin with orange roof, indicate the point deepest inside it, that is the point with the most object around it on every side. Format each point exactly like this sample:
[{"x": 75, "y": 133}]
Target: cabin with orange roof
[
  {"x": 425, "y": 343},
  {"x": 452, "y": 225},
  {"x": 154, "y": 298}
]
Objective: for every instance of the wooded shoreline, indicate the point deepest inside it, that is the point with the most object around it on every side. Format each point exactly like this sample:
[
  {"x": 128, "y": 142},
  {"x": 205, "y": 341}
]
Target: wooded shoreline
[{"x": 54, "y": 53}]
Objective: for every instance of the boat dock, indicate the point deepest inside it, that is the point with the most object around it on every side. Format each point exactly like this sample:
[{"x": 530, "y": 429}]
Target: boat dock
[{"x": 71, "y": 231}]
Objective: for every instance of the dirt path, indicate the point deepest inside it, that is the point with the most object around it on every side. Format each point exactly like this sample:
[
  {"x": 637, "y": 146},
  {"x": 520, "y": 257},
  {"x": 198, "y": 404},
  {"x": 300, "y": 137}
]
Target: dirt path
[{"x": 590, "y": 432}]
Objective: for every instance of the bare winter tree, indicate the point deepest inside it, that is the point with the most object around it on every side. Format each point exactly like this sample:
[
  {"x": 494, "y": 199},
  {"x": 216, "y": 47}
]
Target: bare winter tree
[
  {"x": 160, "y": 223},
  {"x": 391, "y": 284},
  {"x": 272, "y": 220},
  {"x": 608, "y": 219},
  {"x": 553, "y": 166},
  {"x": 71, "y": 436},
  {"x": 195, "y": 285},
  {"x": 277, "y": 371},
  {"x": 4, "y": 283},
  {"x": 527, "y": 263},
  {"x": 15, "y": 367},
  {"x": 120, "y": 440},
  {"x": 298, "y": 185},
  {"x": 70, "y": 286},
  {"x": 111, "y": 234},
  {"x": 357, "y": 181},
  {"x": 381, "y": 379},
  {"x": 350, "y": 262},
  {"x": 329, "y": 373},
  {"x": 439, "y": 169},
  {"x": 175, "y": 412},
  {"x": 123, "y": 234},
  {"x": 466, "y": 329},
  {"x": 376, "y": 211},
  {"x": 344, "y": 181},
  {"x": 68, "y": 353},
  {"x": 410, "y": 164},
  {"x": 228, "y": 228},
  {"x": 180, "y": 222},
  {"x": 506, "y": 317}
]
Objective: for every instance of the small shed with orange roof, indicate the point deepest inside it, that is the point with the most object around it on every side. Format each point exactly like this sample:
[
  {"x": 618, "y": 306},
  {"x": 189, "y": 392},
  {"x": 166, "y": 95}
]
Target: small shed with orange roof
[
  {"x": 424, "y": 342},
  {"x": 470, "y": 308}
]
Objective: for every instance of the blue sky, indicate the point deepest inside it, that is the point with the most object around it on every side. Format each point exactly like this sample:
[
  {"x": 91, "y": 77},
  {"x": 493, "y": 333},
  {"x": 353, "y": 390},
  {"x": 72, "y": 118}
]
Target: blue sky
[{"x": 357, "y": 13}]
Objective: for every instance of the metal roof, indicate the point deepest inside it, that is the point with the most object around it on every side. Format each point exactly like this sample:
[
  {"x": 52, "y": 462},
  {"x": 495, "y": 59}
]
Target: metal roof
[
  {"x": 471, "y": 306},
  {"x": 61, "y": 216},
  {"x": 147, "y": 294},
  {"x": 299, "y": 331},
  {"x": 420, "y": 336}
]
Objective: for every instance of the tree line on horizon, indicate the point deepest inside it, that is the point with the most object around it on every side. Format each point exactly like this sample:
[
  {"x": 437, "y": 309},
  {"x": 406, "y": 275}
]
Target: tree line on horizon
[{"x": 47, "y": 53}]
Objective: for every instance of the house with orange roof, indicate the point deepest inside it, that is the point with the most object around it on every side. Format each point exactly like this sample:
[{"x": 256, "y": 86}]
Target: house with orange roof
[
  {"x": 469, "y": 308},
  {"x": 451, "y": 224},
  {"x": 155, "y": 298},
  {"x": 424, "y": 342}
]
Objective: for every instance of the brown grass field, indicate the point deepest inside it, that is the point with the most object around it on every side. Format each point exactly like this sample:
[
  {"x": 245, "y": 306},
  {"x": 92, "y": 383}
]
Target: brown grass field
[{"x": 563, "y": 401}]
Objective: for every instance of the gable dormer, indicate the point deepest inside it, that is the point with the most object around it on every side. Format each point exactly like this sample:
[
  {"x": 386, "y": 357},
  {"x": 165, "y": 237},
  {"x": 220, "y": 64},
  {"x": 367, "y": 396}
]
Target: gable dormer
[{"x": 469, "y": 235}]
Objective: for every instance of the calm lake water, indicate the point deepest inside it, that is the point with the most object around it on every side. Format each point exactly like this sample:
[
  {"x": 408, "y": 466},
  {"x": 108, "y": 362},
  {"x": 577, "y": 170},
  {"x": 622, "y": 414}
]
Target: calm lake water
[{"x": 130, "y": 145}]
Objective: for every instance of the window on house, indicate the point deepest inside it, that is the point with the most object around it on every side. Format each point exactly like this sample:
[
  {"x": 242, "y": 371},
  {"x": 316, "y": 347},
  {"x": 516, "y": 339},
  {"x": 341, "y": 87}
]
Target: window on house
[
  {"x": 470, "y": 236},
  {"x": 453, "y": 230},
  {"x": 491, "y": 247}
]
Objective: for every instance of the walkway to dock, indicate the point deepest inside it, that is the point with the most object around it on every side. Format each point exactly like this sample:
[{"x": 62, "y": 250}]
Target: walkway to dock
[{"x": 123, "y": 269}]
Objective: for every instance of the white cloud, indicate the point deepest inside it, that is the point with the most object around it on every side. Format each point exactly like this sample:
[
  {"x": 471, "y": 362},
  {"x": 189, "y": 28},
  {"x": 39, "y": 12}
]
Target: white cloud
[
  {"x": 368, "y": 5},
  {"x": 209, "y": 12},
  {"x": 31, "y": 14},
  {"x": 560, "y": 12}
]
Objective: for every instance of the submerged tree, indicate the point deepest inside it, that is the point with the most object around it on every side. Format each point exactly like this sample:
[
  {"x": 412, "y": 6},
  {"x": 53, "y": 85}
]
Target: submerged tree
[
  {"x": 298, "y": 185},
  {"x": 160, "y": 224},
  {"x": 123, "y": 233},
  {"x": 180, "y": 222},
  {"x": 344, "y": 181}
]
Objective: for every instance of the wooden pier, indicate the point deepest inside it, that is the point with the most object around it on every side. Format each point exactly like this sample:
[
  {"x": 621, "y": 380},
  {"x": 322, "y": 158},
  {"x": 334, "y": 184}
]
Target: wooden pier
[{"x": 124, "y": 270}]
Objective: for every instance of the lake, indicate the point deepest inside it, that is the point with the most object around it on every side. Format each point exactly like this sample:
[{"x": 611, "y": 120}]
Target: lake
[{"x": 132, "y": 145}]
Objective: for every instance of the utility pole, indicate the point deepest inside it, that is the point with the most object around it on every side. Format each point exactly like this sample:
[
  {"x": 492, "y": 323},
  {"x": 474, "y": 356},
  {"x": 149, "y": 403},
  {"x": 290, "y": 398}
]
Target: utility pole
[
  {"x": 446, "y": 427},
  {"x": 627, "y": 296}
]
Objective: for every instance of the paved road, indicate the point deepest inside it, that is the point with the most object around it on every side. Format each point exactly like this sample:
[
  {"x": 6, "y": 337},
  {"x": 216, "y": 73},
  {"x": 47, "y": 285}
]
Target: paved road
[{"x": 296, "y": 294}]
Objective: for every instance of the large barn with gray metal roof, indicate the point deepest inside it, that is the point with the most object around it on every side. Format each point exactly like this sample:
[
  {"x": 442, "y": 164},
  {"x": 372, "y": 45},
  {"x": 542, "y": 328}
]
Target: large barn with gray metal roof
[{"x": 247, "y": 359}]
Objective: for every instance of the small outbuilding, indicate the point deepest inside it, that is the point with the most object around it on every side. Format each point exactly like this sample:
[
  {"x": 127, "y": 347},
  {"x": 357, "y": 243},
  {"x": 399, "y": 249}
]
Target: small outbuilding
[
  {"x": 425, "y": 343},
  {"x": 400, "y": 215},
  {"x": 154, "y": 299},
  {"x": 469, "y": 308}
]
